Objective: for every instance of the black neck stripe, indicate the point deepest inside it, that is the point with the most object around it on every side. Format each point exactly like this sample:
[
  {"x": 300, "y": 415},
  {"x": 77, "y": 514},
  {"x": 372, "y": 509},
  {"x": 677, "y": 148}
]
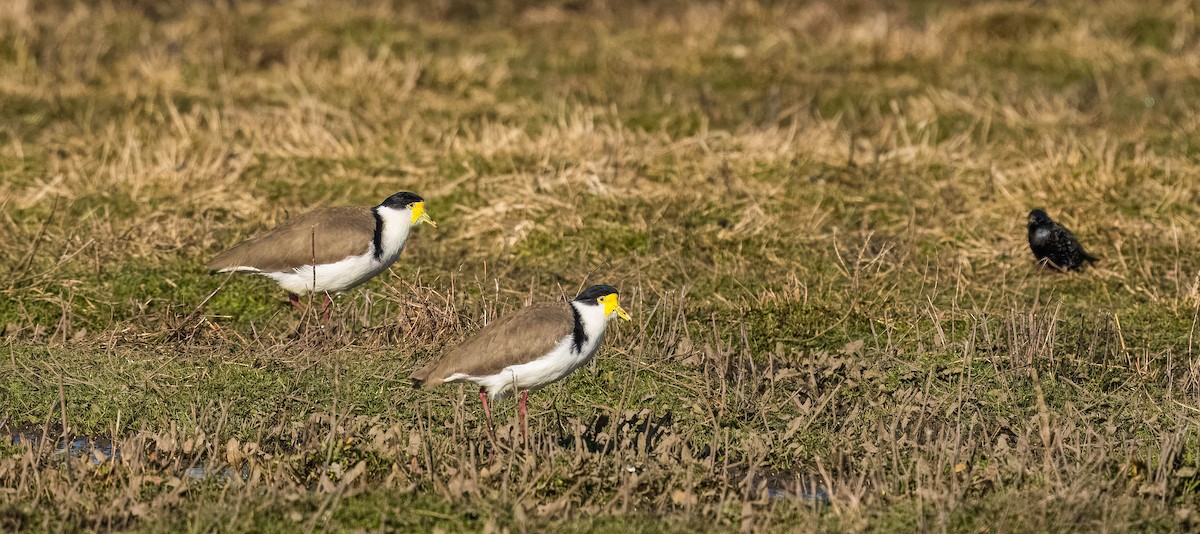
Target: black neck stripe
[
  {"x": 377, "y": 239},
  {"x": 578, "y": 335}
]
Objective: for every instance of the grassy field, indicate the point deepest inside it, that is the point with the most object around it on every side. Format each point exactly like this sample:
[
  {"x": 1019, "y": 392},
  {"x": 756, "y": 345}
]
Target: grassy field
[{"x": 815, "y": 213}]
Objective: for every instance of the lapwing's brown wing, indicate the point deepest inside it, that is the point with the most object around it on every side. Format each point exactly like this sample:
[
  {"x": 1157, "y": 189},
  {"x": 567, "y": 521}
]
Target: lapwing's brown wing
[
  {"x": 326, "y": 235},
  {"x": 519, "y": 337}
]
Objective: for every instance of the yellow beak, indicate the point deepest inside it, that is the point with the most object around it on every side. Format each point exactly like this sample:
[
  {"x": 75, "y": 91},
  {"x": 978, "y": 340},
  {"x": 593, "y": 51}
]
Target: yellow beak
[
  {"x": 622, "y": 313},
  {"x": 419, "y": 215}
]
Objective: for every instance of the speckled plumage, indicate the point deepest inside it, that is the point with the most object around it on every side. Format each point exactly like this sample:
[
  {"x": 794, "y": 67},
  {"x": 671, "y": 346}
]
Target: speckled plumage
[{"x": 1055, "y": 246}]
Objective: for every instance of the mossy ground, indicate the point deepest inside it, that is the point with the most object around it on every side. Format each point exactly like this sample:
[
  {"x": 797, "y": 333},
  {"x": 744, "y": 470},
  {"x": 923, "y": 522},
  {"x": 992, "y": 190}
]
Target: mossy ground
[{"x": 814, "y": 212}]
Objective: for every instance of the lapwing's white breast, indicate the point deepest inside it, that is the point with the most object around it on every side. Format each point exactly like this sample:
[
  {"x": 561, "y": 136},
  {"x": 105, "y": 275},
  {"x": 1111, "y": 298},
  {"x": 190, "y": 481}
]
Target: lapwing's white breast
[{"x": 330, "y": 277}]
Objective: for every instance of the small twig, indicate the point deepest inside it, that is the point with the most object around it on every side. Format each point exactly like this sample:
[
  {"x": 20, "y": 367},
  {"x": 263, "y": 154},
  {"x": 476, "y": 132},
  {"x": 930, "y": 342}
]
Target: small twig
[
  {"x": 33, "y": 248},
  {"x": 62, "y": 404}
]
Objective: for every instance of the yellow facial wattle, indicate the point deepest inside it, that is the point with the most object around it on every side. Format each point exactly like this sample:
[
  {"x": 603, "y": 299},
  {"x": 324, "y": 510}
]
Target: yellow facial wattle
[
  {"x": 611, "y": 304},
  {"x": 419, "y": 215}
]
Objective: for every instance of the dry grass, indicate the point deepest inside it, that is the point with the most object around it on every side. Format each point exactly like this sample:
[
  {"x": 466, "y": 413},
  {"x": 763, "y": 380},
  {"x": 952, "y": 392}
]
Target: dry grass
[{"x": 815, "y": 213}]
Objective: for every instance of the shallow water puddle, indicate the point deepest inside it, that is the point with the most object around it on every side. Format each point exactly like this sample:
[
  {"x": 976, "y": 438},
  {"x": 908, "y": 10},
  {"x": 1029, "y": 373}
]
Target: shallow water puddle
[
  {"x": 100, "y": 450},
  {"x": 782, "y": 486},
  {"x": 202, "y": 472}
]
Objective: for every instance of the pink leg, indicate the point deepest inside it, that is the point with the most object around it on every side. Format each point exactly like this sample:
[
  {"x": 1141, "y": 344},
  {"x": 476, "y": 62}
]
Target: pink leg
[
  {"x": 486, "y": 409},
  {"x": 524, "y": 417},
  {"x": 295, "y": 300},
  {"x": 326, "y": 308}
]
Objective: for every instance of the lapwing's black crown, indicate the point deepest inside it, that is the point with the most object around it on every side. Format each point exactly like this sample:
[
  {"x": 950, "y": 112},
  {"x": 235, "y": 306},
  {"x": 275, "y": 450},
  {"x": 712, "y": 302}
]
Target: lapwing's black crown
[
  {"x": 591, "y": 294},
  {"x": 401, "y": 200}
]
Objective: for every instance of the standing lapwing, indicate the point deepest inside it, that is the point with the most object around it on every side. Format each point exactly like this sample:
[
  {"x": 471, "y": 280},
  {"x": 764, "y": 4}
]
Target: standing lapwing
[
  {"x": 1054, "y": 245},
  {"x": 328, "y": 250},
  {"x": 528, "y": 349}
]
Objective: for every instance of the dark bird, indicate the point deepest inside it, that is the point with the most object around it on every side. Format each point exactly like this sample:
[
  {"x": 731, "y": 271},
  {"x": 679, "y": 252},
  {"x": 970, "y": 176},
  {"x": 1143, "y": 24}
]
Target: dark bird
[{"x": 1054, "y": 245}]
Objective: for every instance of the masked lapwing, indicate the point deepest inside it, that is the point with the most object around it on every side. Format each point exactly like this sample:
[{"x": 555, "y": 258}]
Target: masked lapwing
[
  {"x": 328, "y": 250},
  {"x": 529, "y": 349}
]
